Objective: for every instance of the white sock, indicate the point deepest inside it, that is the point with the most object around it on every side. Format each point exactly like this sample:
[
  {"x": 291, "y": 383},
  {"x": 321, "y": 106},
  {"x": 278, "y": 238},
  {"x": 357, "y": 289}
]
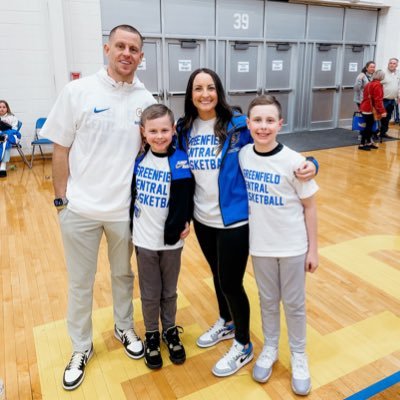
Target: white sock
[{"x": 3, "y": 166}]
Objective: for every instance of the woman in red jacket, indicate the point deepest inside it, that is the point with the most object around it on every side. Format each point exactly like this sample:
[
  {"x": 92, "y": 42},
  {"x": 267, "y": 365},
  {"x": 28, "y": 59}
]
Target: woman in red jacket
[{"x": 372, "y": 98}]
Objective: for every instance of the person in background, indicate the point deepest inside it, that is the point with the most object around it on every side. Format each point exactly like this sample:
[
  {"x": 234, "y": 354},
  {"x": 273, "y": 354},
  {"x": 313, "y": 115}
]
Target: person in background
[
  {"x": 9, "y": 135},
  {"x": 372, "y": 98},
  {"x": 391, "y": 87},
  {"x": 94, "y": 125},
  {"x": 161, "y": 210},
  {"x": 362, "y": 79},
  {"x": 283, "y": 238},
  {"x": 212, "y": 134}
]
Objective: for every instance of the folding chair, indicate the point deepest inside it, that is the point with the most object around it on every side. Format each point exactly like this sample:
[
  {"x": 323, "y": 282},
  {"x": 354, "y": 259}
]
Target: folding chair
[
  {"x": 39, "y": 141},
  {"x": 19, "y": 147}
]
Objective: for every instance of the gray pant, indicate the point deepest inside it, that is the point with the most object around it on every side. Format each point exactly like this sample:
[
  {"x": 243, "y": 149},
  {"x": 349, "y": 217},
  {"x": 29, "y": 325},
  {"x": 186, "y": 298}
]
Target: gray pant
[
  {"x": 81, "y": 238},
  {"x": 158, "y": 279},
  {"x": 282, "y": 279}
]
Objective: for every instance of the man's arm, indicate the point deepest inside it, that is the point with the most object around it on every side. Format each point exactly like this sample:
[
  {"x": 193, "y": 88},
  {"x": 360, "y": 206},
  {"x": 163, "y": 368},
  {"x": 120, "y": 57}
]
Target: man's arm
[{"x": 60, "y": 170}]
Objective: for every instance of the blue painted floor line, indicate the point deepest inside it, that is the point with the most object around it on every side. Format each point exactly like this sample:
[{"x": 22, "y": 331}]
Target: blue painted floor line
[{"x": 376, "y": 388}]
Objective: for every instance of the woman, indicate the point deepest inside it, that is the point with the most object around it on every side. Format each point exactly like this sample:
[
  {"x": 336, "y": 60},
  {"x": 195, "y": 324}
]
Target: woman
[
  {"x": 372, "y": 98},
  {"x": 212, "y": 134},
  {"x": 362, "y": 79},
  {"x": 8, "y": 135}
]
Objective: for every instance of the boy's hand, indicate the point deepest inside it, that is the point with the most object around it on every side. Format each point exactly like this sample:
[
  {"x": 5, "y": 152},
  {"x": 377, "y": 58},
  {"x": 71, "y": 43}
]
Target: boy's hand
[
  {"x": 186, "y": 231},
  {"x": 311, "y": 262}
]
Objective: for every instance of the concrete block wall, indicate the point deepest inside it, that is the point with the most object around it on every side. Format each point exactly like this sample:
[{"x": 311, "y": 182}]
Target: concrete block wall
[
  {"x": 388, "y": 40},
  {"x": 41, "y": 42}
]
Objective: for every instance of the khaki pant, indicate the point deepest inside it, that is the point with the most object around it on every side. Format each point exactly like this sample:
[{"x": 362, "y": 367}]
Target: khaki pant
[
  {"x": 81, "y": 237},
  {"x": 282, "y": 279}
]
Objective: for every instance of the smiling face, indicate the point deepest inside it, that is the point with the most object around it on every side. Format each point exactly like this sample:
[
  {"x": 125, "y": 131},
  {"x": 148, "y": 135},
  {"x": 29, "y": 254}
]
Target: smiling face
[
  {"x": 204, "y": 96},
  {"x": 158, "y": 133},
  {"x": 124, "y": 53},
  {"x": 264, "y": 124},
  {"x": 371, "y": 68}
]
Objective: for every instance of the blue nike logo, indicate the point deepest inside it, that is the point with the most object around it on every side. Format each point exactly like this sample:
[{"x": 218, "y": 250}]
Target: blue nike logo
[{"x": 100, "y": 110}]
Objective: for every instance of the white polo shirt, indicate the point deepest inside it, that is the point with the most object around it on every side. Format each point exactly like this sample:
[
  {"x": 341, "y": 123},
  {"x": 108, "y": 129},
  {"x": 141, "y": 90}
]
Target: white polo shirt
[{"x": 98, "y": 119}]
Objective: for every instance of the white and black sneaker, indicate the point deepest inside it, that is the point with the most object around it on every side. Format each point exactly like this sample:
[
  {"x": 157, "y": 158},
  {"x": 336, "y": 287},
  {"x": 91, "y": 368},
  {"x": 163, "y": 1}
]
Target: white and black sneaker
[
  {"x": 237, "y": 357},
  {"x": 75, "y": 370},
  {"x": 132, "y": 342},
  {"x": 219, "y": 331}
]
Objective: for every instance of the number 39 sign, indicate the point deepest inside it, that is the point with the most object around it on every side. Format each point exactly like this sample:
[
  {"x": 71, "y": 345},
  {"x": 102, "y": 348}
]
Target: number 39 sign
[{"x": 241, "y": 21}]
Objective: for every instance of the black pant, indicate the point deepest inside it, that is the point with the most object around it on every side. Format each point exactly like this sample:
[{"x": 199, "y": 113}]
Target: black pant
[
  {"x": 366, "y": 134},
  {"x": 389, "y": 107},
  {"x": 227, "y": 251}
]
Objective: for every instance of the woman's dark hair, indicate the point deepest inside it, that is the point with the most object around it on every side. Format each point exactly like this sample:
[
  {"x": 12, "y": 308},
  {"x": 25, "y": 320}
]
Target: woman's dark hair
[
  {"x": 223, "y": 110},
  {"x": 7, "y": 106},
  {"x": 364, "y": 70}
]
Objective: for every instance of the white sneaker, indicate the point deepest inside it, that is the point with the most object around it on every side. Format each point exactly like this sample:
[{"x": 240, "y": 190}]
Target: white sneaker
[
  {"x": 236, "y": 358},
  {"x": 219, "y": 331},
  {"x": 75, "y": 370},
  {"x": 262, "y": 369},
  {"x": 301, "y": 381},
  {"x": 133, "y": 345}
]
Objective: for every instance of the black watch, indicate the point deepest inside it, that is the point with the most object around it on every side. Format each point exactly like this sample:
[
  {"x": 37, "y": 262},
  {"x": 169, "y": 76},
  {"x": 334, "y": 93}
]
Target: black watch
[{"x": 61, "y": 202}]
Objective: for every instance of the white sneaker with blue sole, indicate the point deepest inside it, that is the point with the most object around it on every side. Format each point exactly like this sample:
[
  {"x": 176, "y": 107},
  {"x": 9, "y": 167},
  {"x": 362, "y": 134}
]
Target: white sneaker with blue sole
[
  {"x": 236, "y": 358},
  {"x": 219, "y": 331}
]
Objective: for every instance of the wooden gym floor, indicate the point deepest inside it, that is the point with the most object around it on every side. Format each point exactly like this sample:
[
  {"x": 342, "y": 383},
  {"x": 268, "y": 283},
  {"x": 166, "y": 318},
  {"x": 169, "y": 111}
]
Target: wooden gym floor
[{"x": 353, "y": 300}]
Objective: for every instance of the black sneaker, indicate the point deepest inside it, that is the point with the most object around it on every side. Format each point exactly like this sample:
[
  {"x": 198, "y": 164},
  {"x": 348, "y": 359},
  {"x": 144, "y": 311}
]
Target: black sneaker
[
  {"x": 364, "y": 147},
  {"x": 132, "y": 343},
  {"x": 3, "y": 173},
  {"x": 152, "y": 353},
  {"x": 75, "y": 370},
  {"x": 176, "y": 350}
]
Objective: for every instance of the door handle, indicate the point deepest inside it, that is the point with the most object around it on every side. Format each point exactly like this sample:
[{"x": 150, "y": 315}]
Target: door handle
[
  {"x": 159, "y": 94},
  {"x": 242, "y": 92},
  {"x": 325, "y": 88},
  {"x": 172, "y": 94},
  {"x": 286, "y": 90}
]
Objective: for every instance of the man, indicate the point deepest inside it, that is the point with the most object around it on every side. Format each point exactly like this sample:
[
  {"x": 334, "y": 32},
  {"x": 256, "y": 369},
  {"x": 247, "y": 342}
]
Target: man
[
  {"x": 390, "y": 94},
  {"x": 94, "y": 125}
]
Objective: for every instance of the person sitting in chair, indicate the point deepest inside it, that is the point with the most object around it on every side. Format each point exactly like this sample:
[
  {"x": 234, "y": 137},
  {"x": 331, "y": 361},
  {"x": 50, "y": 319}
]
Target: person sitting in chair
[{"x": 9, "y": 135}]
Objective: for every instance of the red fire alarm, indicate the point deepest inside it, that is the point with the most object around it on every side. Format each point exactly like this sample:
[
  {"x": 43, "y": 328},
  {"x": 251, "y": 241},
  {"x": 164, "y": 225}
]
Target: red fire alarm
[{"x": 75, "y": 75}]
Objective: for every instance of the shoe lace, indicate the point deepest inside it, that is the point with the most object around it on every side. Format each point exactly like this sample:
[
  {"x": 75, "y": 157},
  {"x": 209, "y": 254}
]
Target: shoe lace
[
  {"x": 130, "y": 336},
  {"x": 300, "y": 366},
  {"x": 233, "y": 353},
  {"x": 153, "y": 343},
  {"x": 173, "y": 337},
  {"x": 76, "y": 360},
  {"x": 268, "y": 355},
  {"x": 217, "y": 327}
]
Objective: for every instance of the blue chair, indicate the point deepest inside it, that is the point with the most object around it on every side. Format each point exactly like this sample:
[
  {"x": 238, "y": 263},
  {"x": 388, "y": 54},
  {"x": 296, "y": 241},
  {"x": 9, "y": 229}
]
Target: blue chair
[
  {"x": 39, "y": 141},
  {"x": 19, "y": 147}
]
